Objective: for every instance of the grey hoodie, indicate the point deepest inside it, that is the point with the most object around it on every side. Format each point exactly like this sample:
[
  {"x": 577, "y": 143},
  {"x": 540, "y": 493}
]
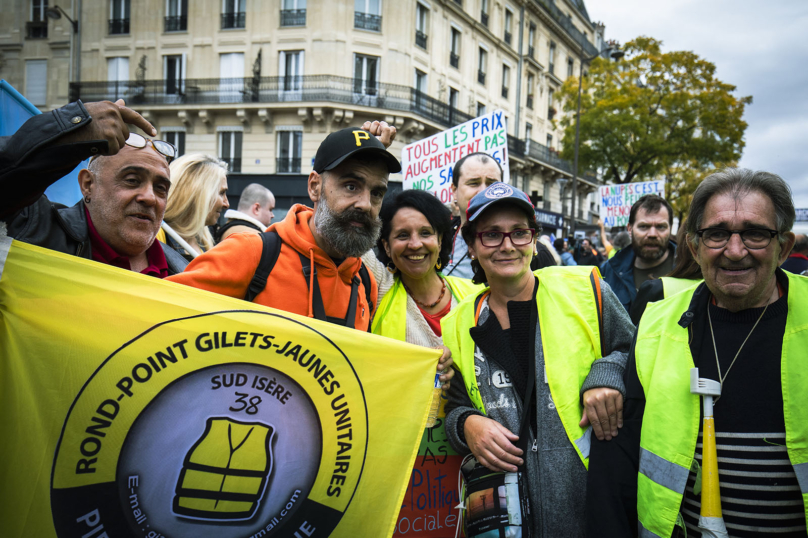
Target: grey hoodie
[{"x": 555, "y": 474}]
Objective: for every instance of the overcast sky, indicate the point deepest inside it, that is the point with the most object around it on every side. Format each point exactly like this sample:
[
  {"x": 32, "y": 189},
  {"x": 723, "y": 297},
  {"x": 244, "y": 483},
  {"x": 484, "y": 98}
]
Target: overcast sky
[{"x": 759, "y": 47}]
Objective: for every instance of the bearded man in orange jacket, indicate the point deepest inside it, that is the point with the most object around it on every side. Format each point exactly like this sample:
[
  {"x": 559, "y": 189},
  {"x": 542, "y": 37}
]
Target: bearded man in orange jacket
[{"x": 347, "y": 187}]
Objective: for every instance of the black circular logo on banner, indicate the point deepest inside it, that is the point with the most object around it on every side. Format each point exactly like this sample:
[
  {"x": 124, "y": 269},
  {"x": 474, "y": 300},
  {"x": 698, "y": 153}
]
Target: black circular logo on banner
[{"x": 213, "y": 426}]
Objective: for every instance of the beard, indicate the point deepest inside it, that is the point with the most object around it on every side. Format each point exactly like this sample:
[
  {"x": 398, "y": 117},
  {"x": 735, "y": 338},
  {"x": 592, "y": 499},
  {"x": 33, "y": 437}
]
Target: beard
[
  {"x": 649, "y": 249},
  {"x": 339, "y": 232}
]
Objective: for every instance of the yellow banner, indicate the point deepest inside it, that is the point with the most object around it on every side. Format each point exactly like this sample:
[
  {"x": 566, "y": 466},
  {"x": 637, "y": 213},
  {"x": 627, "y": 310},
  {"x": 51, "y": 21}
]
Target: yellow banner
[{"x": 133, "y": 407}]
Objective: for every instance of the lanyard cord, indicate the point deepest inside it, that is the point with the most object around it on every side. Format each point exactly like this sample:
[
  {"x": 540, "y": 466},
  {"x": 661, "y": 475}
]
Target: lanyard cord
[{"x": 715, "y": 349}]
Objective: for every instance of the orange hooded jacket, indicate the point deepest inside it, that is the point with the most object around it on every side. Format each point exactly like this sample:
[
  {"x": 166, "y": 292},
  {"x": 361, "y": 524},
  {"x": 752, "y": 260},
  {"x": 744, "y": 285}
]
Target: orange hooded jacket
[{"x": 229, "y": 267}]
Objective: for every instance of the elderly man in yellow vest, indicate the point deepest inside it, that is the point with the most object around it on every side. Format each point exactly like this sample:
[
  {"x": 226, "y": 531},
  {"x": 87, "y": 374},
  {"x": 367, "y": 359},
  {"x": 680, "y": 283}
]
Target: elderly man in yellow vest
[{"x": 715, "y": 436}]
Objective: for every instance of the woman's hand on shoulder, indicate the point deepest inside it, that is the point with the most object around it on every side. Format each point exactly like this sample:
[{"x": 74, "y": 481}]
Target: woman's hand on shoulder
[
  {"x": 492, "y": 444},
  {"x": 445, "y": 365}
]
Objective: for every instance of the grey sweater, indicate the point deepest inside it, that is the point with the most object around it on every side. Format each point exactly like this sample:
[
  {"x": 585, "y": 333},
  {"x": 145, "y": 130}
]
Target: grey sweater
[{"x": 555, "y": 474}]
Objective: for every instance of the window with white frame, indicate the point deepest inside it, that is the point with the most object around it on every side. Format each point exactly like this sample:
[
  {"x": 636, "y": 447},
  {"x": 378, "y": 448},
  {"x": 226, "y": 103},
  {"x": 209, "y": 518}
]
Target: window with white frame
[
  {"x": 290, "y": 151},
  {"x": 551, "y": 111},
  {"x": 454, "y": 54},
  {"x": 231, "y": 77},
  {"x": 176, "y": 137},
  {"x": 36, "y": 82},
  {"x": 119, "y": 16},
  {"x": 38, "y": 8},
  {"x": 421, "y": 16},
  {"x": 531, "y": 40},
  {"x": 454, "y": 97},
  {"x": 506, "y": 80},
  {"x": 528, "y": 132},
  {"x": 174, "y": 74},
  {"x": 482, "y": 66},
  {"x": 176, "y": 15},
  {"x": 508, "y": 26},
  {"x": 290, "y": 70},
  {"x": 551, "y": 59},
  {"x": 230, "y": 148},
  {"x": 570, "y": 66},
  {"x": 368, "y": 15},
  {"x": 480, "y": 109},
  {"x": 117, "y": 77},
  {"x": 530, "y": 85},
  {"x": 366, "y": 75}
]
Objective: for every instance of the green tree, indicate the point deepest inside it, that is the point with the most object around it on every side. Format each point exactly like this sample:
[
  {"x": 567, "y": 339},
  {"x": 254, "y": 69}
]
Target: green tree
[{"x": 654, "y": 115}]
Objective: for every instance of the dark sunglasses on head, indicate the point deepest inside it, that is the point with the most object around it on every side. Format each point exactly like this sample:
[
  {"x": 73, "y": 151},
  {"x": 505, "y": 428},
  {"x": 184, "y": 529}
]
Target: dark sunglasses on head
[{"x": 166, "y": 149}]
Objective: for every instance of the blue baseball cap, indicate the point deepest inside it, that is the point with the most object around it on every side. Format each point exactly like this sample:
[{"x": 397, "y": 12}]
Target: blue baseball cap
[{"x": 499, "y": 192}]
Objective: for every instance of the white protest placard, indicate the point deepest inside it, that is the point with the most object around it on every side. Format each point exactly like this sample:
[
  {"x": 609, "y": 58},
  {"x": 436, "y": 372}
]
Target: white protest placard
[
  {"x": 616, "y": 200},
  {"x": 427, "y": 164}
]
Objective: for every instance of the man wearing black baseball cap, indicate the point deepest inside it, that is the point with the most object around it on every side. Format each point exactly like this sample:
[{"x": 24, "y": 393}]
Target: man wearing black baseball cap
[{"x": 317, "y": 271}]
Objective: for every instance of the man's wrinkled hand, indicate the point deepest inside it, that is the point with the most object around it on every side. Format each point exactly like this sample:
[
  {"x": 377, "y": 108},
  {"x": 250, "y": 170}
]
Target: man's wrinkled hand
[
  {"x": 110, "y": 122},
  {"x": 381, "y": 130},
  {"x": 492, "y": 444},
  {"x": 603, "y": 408}
]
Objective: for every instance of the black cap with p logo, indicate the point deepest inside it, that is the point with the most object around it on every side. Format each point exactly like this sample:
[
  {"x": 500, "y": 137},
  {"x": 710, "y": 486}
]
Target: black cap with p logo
[{"x": 345, "y": 143}]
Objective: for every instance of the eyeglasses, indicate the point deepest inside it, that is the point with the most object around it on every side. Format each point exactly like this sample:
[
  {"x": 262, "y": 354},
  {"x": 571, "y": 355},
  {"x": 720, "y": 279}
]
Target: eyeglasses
[
  {"x": 166, "y": 149},
  {"x": 518, "y": 238},
  {"x": 753, "y": 238}
]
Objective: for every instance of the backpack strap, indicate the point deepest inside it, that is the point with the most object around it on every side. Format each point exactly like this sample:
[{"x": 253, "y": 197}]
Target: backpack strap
[
  {"x": 364, "y": 276},
  {"x": 269, "y": 256},
  {"x": 594, "y": 279},
  {"x": 317, "y": 298}
]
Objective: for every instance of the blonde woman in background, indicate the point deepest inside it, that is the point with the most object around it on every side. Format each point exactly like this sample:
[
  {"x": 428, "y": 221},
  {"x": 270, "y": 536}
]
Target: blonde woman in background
[{"x": 197, "y": 197}]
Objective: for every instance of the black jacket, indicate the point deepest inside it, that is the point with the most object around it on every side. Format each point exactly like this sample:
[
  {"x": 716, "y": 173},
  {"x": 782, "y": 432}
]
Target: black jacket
[{"x": 29, "y": 164}]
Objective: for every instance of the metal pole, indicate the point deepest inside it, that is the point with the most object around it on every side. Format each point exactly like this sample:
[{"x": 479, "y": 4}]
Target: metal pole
[
  {"x": 577, "y": 136},
  {"x": 519, "y": 73}
]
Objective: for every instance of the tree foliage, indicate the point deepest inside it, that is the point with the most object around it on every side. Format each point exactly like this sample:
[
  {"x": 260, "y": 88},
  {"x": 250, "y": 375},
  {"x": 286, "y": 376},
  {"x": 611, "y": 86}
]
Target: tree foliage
[{"x": 653, "y": 115}]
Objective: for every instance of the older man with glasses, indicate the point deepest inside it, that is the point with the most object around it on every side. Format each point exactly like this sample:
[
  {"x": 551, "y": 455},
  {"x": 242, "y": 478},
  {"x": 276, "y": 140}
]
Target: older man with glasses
[
  {"x": 738, "y": 344},
  {"x": 124, "y": 188}
]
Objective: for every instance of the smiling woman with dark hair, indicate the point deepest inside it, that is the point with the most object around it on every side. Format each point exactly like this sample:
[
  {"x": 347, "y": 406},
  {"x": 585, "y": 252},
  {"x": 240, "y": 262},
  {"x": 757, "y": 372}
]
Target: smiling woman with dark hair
[{"x": 413, "y": 295}]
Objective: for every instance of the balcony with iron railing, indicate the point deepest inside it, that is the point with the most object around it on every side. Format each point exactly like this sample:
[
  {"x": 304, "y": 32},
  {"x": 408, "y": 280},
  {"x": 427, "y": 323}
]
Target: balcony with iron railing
[
  {"x": 299, "y": 89},
  {"x": 367, "y": 21},
  {"x": 420, "y": 39},
  {"x": 118, "y": 26},
  {"x": 484, "y": 18},
  {"x": 293, "y": 17},
  {"x": 287, "y": 165},
  {"x": 454, "y": 60},
  {"x": 176, "y": 23},
  {"x": 481, "y": 77},
  {"x": 36, "y": 29},
  {"x": 508, "y": 37},
  {"x": 234, "y": 20},
  {"x": 564, "y": 21}
]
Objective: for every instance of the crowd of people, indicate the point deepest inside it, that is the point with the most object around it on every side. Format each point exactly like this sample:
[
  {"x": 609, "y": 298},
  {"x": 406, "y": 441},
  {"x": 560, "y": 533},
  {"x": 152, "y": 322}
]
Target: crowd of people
[{"x": 567, "y": 364}]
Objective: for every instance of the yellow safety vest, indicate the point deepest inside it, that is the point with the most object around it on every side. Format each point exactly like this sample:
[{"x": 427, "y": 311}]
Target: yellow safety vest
[
  {"x": 670, "y": 426},
  {"x": 672, "y": 286},
  {"x": 570, "y": 312},
  {"x": 391, "y": 315},
  {"x": 224, "y": 474}
]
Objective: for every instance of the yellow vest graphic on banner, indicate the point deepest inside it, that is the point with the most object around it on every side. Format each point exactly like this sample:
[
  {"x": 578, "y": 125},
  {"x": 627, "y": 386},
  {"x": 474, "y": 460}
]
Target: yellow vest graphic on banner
[
  {"x": 225, "y": 472},
  {"x": 133, "y": 407}
]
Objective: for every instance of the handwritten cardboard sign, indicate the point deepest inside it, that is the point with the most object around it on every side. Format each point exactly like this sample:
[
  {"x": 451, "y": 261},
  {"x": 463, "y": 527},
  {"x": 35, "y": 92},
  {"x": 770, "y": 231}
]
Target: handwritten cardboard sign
[
  {"x": 616, "y": 200},
  {"x": 427, "y": 164}
]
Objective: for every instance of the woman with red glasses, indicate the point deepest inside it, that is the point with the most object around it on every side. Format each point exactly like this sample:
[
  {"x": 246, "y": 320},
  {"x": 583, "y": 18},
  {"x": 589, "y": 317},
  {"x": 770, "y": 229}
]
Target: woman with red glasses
[{"x": 539, "y": 359}]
